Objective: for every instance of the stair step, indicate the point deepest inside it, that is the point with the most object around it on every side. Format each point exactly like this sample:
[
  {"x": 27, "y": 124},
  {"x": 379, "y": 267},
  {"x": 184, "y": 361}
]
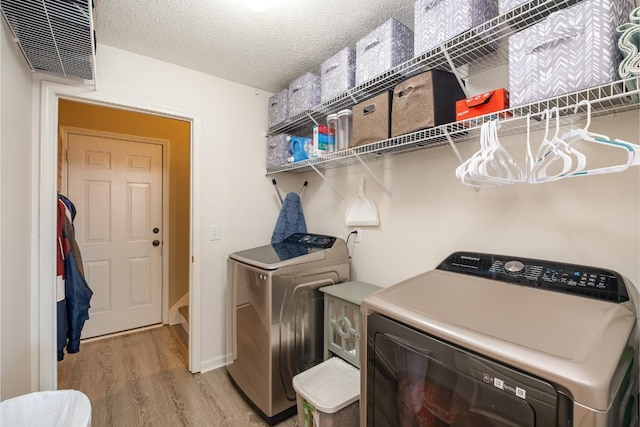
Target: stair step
[
  {"x": 184, "y": 311},
  {"x": 184, "y": 317}
]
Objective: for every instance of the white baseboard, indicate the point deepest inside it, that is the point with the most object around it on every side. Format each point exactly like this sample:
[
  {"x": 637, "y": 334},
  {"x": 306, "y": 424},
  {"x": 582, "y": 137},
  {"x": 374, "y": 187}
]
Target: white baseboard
[
  {"x": 174, "y": 316},
  {"x": 215, "y": 363}
]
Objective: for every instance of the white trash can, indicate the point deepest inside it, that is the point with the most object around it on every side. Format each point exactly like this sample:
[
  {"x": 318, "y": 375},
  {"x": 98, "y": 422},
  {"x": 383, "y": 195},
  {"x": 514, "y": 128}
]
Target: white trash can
[
  {"x": 328, "y": 395},
  {"x": 58, "y": 408}
]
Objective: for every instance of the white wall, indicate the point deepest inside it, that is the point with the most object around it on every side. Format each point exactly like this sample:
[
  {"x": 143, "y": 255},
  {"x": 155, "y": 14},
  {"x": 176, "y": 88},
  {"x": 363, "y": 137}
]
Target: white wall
[
  {"x": 592, "y": 220},
  {"x": 15, "y": 215},
  {"x": 235, "y": 193},
  {"x": 232, "y": 159}
]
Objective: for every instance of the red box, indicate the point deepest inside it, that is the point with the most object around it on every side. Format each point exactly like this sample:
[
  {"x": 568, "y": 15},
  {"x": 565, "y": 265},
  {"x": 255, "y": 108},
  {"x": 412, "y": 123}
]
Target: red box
[{"x": 484, "y": 103}]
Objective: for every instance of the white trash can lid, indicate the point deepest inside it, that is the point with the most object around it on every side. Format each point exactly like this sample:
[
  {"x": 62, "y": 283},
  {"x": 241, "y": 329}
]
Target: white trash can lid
[
  {"x": 58, "y": 408},
  {"x": 329, "y": 386}
]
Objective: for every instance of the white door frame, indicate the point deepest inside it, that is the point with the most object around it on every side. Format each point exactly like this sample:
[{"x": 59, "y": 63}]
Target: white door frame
[
  {"x": 166, "y": 235},
  {"x": 44, "y": 179}
]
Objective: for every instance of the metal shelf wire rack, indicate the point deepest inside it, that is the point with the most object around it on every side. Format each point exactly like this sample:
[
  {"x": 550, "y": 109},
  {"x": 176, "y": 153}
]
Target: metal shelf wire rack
[
  {"x": 471, "y": 52},
  {"x": 615, "y": 97}
]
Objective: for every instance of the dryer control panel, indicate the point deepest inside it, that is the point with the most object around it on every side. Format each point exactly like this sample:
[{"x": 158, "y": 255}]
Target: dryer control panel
[{"x": 591, "y": 282}]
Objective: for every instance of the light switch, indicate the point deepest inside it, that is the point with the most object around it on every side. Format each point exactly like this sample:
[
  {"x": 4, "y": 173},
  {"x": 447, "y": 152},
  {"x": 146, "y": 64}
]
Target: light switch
[{"x": 214, "y": 232}]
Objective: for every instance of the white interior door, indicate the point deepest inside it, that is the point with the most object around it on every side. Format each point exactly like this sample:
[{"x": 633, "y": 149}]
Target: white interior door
[{"x": 116, "y": 187}]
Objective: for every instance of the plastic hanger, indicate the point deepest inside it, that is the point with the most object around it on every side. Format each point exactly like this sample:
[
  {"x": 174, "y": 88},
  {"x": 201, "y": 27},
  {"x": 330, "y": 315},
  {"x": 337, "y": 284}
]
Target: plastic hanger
[
  {"x": 575, "y": 134},
  {"x": 467, "y": 171},
  {"x": 580, "y": 159},
  {"x": 583, "y": 134},
  {"x": 508, "y": 171},
  {"x": 529, "y": 160},
  {"x": 549, "y": 153},
  {"x": 492, "y": 165}
]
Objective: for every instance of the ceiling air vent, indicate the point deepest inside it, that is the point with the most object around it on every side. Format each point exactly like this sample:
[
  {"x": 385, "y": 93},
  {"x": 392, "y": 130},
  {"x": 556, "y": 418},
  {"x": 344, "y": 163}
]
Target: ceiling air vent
[{"x": 56, "y": 36}]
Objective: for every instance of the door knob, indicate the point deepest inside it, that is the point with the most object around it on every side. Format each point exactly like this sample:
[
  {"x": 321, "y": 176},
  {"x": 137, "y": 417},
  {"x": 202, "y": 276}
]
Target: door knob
[
  {"x": 156, "y": 230},
  {"x": 156, "y": 242}
]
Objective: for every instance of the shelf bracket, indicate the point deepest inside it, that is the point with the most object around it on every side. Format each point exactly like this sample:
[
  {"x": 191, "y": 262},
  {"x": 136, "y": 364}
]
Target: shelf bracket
[
  {"x": 454, "y": 70},
  {"x": 453, "y": 147},
  {"x": 373, "y": 175},
  {"x": 312, "y": 119},
  {"x": 455, "y": 150},
  {"x": 353, "y": 98},
  {"x": 327, "y": 181}
]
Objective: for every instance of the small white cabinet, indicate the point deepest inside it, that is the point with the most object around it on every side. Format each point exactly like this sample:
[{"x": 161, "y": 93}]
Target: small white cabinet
[{"x": 342, "y": 319}]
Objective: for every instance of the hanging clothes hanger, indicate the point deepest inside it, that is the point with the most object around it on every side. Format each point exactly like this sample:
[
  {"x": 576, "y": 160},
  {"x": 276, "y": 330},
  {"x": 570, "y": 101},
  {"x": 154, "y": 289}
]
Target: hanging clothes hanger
[
  {"x": 584, "y": 134},
  {"x": 556, "y": 158},
  {"x": 550, "y": 153},
  {"x": 529, "y": 161},
  {"x": 576, "y": 134},
  {"x": 580, "y": 160},
  {"x": 498, "y": 165},
  {"x": 467, "y": 171},
  {"x": 492, "y": 165}
]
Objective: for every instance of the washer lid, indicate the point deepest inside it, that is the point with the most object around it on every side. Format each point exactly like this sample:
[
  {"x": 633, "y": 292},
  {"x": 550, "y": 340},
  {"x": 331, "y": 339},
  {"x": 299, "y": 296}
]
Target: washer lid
[{"x": 298, "y": 248}]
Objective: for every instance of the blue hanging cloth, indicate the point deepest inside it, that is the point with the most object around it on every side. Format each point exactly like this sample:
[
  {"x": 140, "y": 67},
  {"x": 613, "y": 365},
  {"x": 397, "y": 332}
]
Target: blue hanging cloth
[{"x": 291, "y": 219}]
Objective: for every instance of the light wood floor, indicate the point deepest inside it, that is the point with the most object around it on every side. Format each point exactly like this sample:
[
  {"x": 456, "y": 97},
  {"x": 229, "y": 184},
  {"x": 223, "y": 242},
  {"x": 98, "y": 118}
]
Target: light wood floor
[{"x": 142, "y": 379}]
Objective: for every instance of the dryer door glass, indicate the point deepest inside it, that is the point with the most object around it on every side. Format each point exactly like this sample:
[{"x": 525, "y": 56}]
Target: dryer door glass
[{"x": 416, "y": 380}]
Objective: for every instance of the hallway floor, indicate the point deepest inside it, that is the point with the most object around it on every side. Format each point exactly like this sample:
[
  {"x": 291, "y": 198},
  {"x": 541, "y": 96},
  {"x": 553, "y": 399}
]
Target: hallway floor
[{"x": 142, "y": 379}]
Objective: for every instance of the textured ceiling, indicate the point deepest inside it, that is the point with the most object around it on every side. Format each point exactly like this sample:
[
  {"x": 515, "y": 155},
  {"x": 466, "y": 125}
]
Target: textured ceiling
[{"x": 224, "y": 38}]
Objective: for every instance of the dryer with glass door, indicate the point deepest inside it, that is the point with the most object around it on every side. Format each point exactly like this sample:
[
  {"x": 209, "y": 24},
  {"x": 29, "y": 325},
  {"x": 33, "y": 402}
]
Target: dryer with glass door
[{"x": 494, "y": 341}]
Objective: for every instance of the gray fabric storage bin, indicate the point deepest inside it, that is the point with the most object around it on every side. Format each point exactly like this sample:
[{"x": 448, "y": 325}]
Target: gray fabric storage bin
[
  {"x": 385, "y": 47},
  {"x": 304, "y": 93},
  {"x": 436, "y": 21},
  {"x": 505, "y": 6},
  {"x": 337, "y": 74},
  {"x": 277, "y": 150},
  {"x": 570, "y": 50},
  {"x": 278, "y": 107}
]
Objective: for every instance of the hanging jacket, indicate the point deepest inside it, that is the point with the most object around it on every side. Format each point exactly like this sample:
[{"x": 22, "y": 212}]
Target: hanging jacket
[
  {"x": 61, "y": 306},
  {"x": 73, "y": 310},
  {"x": 69, "y": 231},
  {"x": 78, "y": 296}
]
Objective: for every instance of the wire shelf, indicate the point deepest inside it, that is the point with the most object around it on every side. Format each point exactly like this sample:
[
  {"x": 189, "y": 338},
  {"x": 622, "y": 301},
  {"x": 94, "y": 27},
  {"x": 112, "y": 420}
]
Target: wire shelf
[
  {"x": 611, "y": 98},
  {"x": 471, "y": 52}
]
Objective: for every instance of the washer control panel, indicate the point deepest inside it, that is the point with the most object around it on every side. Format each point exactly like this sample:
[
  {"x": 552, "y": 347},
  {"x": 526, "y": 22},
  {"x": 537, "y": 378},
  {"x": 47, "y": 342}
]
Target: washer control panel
[
  {"x": 311, "y": 240},
  {"x": 586, "y": 281}
]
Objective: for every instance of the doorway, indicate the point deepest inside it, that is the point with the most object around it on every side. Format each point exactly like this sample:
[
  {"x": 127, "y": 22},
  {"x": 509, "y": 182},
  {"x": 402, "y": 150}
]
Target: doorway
[
  {"x": 45, "y": 184},
  {"x": 117, "y": 184}
]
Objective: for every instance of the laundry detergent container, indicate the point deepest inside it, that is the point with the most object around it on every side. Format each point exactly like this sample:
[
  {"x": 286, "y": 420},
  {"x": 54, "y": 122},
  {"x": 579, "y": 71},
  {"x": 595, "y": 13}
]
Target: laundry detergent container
[
  {"x": 328, "y": 395},
  {"x": 60, "y": 408}
]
